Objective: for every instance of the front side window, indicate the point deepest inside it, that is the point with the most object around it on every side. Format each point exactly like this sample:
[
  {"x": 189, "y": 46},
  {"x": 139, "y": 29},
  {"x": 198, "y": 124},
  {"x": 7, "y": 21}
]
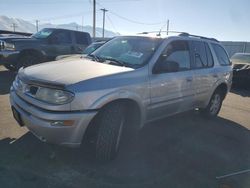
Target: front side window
[
  {"x": 221, "y": 55},
  {"x": 175, "y": 57}
]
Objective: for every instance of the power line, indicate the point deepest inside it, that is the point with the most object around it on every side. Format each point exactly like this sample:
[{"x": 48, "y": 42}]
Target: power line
[
  {"x": 130, "y": 20},
  {"x": 112, "y": 24}
]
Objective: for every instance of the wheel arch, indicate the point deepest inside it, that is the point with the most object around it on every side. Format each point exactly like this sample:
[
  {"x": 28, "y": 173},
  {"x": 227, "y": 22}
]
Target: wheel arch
[{"x": 29, "y": 51}]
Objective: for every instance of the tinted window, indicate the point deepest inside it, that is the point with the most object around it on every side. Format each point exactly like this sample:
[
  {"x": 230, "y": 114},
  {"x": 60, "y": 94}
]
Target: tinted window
[
  {"x": 82, "y": 38},
  {"x": 200, "y": 56},
  {"x": 210, "y": 60},
  {"x": 221, "y": 55},
  {"x": 177, "y": 51},
  {"x": 63, "y": 37}
]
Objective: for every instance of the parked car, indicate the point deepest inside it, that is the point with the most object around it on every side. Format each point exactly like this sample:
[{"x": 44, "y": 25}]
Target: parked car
[
  {"x": 128, "y": 81},
  {"x": 43, "y": 46},
  {"x": 92, "y": 47},
  {"x": 241, "y": 70}
]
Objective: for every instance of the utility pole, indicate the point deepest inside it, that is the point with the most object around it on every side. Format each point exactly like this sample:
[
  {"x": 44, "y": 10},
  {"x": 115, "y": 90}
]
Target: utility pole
[
  {"x": 37, "y": 21},
  {"x": 14, "y": 26},
  {"x": 103, "y": 23},
  {"x": 94, "y": 15},
  {"x": 167, "y": 26},
  {"x": 82, "y": 22}
]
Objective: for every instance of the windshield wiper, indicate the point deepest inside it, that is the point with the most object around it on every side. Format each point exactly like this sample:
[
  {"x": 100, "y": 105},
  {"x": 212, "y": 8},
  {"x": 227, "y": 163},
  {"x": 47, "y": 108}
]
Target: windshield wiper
[
  {"x": 114, "y": 61},
  {"x": 94, "y": 57}
]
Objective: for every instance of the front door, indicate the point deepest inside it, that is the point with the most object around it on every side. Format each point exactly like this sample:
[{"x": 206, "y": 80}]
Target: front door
[
  {"x": 171, "y": 82},
  {"x": 60, "y": 43}
]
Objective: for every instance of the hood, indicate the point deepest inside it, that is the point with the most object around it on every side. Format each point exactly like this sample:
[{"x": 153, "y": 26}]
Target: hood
[
  {"x": 20, "y": 40},
  {"x": 69, "y": 57},
  {"x": 67, "y": 72}
]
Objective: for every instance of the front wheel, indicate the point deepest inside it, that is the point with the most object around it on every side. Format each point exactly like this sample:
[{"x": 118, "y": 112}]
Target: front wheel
[
  {"x": 214, "y": 105},
  {"x": 110, "y": 122}
]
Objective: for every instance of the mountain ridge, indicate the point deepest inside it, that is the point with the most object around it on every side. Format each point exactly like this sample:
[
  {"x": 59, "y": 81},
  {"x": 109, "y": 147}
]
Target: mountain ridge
[{"x": 6, "y": 23}]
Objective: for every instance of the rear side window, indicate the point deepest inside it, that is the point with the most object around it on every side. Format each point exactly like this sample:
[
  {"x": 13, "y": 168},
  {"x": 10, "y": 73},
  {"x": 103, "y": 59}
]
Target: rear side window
[
  {"x": 221, "y": 55},
  {"x": 63, "y": 37},
  {"x": 82, "y": 38},
  {"x": 210, "y": 60},
  {"x": 202, "y": 55}
]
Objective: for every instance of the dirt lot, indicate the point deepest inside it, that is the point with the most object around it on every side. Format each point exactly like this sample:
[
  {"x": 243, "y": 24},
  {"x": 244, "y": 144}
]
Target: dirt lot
[{"x": 182, "y": 151}]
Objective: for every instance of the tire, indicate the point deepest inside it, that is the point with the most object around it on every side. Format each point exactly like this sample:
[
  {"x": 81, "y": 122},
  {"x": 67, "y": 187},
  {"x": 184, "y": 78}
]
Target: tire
[
  {"x": 214, "y": 105},
  {"x": 27, "y": 60},
  {"x": 110, "y": 122}
]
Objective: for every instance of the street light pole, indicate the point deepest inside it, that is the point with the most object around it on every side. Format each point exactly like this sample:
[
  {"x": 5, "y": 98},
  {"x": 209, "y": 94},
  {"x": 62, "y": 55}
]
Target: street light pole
[{"x": 103, "y": 23}]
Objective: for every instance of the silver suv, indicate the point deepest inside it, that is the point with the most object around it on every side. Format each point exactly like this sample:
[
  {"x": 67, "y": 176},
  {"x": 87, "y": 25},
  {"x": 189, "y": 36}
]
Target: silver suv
[{"x": 127, "y": 82}]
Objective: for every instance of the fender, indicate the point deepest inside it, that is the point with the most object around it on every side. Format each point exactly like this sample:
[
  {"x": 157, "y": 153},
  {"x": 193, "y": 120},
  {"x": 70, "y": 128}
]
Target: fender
[{"x": 120, "y": 95}]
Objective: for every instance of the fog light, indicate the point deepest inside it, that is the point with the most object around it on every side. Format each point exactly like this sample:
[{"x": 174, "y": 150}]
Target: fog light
[{"x": 63, "y": 123}]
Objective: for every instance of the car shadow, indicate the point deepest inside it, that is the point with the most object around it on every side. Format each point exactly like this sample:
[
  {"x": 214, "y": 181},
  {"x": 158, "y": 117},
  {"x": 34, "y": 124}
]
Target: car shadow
[
  {"x": 6, "y": 79},
  {"x": 241, "y": 92},
  {"x": 182, "y": 151}
]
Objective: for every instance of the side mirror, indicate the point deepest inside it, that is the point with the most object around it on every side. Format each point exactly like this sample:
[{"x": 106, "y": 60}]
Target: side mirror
[{"x": 166, "y": 66}]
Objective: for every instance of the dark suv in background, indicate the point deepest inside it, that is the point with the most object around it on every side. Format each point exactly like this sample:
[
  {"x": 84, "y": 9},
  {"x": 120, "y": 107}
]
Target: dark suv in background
[{"x": 42, "y": 46}]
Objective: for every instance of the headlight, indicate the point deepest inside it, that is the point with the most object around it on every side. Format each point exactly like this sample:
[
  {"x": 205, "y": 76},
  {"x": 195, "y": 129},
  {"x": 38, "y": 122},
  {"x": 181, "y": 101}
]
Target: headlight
[
  {"x": 53, "y": 96},
  {"x": 9, "y": 46}
]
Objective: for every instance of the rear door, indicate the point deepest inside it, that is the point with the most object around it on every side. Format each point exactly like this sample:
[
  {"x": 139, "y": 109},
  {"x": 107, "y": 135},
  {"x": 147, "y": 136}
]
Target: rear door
[
  {"x": 60, "y": 43},
  {"x": 172, "y": 92},
  {"x": 81, "y": 41},
  {"x": 205, "y": 75}
]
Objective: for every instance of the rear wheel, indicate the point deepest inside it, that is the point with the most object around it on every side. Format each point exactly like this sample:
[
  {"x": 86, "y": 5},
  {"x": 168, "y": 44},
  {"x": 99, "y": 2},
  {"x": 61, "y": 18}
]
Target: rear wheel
[
  {"x": 110, "y": 122},
  {"x": 214, "y": 105}
]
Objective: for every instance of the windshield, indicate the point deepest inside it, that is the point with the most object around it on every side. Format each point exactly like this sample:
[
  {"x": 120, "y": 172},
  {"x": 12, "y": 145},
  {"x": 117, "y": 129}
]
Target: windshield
[
  {"x": 132, "y": 51},
  {"x": 244, "y": 58},
  {"x": 44, "y": 33}
]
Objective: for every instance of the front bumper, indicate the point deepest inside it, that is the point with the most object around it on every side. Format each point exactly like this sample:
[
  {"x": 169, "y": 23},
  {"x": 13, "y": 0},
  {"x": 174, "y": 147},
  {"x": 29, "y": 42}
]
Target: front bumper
[
  {"x": 8, "y": 57},
  {"x": 38, "y": 121}
]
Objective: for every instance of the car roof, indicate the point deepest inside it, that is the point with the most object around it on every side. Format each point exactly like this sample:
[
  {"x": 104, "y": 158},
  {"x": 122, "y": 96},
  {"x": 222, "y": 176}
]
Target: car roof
[
  {"x": 171, "y": 34},
  {"x": 62, "y": 29}
]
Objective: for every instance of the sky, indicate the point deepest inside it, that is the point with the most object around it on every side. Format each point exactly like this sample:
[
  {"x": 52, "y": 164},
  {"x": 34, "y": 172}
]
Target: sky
[{"x": 222, "y": 19}]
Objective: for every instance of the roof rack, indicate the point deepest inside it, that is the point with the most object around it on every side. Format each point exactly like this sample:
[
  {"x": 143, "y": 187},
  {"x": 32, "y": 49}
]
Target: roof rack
[
  {"x": 197, "y": 36},
  {"x": 182, "y": 34}
]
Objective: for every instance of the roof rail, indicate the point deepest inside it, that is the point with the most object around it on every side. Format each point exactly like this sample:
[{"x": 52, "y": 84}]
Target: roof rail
[{"x": 197, "y": 36}]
